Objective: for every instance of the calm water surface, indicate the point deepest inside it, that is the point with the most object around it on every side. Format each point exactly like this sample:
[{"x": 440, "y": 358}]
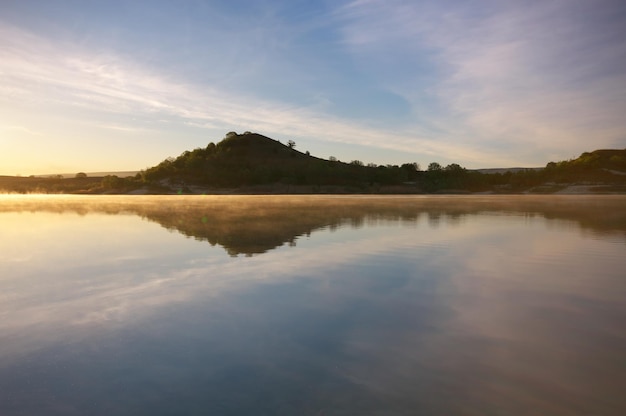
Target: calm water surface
[{"x": 313, "y": 305}]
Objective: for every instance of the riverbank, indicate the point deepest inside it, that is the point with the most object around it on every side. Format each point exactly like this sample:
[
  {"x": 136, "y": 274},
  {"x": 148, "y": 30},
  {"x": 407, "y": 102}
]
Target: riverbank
[{"x": 112, "y": 185}]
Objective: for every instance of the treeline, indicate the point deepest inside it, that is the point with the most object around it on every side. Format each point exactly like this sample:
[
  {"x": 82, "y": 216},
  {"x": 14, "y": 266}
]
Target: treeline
[
  {"x": 79, "y": 184},
  {"x": 251, "y": 159},
  {"x": 606, "y": 167},
  {"x": 51, "y": 184}
]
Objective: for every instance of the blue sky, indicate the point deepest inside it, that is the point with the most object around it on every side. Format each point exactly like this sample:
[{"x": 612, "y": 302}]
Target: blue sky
[{"x": 121, "y": 85}]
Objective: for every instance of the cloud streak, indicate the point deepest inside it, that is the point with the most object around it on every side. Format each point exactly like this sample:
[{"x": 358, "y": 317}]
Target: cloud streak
[
  {"x": 63, "y": 75},
  {"x": 534, "y": 77},
  {"x": 484, "y": 84}
]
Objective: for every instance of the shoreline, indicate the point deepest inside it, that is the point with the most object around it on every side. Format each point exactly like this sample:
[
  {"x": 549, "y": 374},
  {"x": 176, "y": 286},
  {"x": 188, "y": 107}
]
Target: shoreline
[{"x": 126, "y": 186}]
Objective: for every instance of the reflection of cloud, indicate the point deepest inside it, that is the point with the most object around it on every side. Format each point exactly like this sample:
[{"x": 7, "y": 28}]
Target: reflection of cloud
[
  {"x": 181, "y": 281},
  {"x": 131, "y": 279},
  {"x": 106, "y": 293},
  {"x": 520, "y": 317},
  {"x": 490, "y": 311}
]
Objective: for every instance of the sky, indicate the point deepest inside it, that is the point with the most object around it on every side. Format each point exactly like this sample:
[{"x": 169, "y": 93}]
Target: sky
[{"x": 120, "y": 85}]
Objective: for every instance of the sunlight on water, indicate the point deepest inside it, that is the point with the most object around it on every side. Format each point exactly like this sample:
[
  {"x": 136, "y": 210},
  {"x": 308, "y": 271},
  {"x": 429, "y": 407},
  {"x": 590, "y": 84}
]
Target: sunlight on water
[{"x": 312, "y": 305}]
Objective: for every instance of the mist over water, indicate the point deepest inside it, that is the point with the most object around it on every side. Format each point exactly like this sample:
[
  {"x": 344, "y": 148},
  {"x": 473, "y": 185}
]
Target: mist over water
[{"x": 312, "y": 305}]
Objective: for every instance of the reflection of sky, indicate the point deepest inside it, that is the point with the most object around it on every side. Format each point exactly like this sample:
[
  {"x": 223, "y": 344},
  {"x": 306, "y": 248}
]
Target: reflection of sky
[{"x": 490, "y": 312}]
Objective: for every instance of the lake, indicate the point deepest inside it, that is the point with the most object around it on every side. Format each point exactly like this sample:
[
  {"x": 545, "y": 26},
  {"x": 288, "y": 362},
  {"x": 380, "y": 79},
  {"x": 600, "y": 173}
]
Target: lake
[{"x": 313, "y": 305}]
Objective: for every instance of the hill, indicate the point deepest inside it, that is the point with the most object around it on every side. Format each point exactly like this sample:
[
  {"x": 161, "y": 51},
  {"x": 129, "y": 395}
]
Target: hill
[
  {"x": 253, "y": 163},
  {"x": 264, "y": 165},
  {"x": 252, "y": 159},
  {"x": 598, "y": 160}
]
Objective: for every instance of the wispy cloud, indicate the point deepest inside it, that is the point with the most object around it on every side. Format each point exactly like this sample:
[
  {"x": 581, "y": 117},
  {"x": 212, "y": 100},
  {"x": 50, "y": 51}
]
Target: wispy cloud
[
  {"x": 485, "y": 83},
  {"x": 21, "y": 129},
  {"x": 64, "y": 75},
  {"x": 530, "y": 77}
]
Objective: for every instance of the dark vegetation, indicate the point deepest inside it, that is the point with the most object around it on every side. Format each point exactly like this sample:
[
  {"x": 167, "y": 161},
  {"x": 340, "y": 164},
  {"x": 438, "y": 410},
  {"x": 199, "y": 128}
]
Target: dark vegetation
[
  {"x": 250, "y": 160},
  {"x": 252, "y": 163},
  {"x": 57, "y": 184}
]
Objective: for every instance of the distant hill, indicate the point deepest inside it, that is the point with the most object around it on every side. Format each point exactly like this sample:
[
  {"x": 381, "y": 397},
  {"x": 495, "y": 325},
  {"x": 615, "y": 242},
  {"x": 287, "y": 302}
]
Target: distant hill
[
  {"x": 612, "y": 159},
  {"x": 121, "y": 174},
  {"x": 607, "y": 159}
]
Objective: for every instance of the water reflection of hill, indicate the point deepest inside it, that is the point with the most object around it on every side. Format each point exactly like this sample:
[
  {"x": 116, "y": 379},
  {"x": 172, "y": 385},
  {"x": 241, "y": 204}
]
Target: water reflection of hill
[{"x": 255, "y": 224}]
